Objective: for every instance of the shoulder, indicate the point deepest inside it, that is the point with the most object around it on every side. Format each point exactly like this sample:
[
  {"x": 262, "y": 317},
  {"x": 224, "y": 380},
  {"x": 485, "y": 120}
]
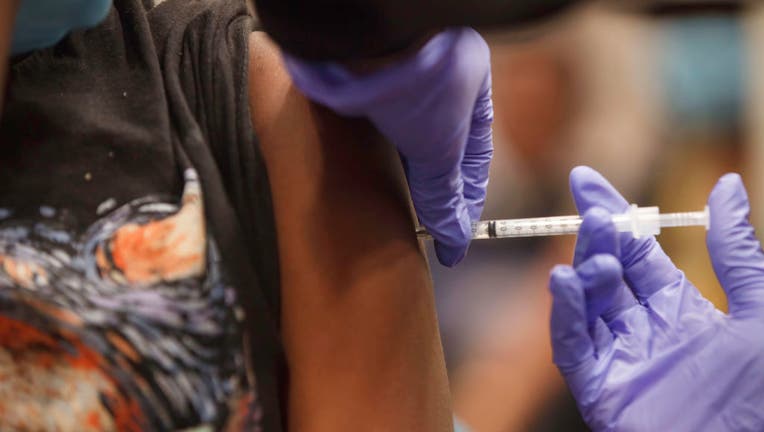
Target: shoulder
[
  {"x": 269, "y": 84},
  {"x": 173, "y": 21}
]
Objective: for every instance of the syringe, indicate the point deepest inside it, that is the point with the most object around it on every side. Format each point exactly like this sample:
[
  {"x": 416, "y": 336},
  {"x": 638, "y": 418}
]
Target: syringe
[{"x": 640, "y": 221}]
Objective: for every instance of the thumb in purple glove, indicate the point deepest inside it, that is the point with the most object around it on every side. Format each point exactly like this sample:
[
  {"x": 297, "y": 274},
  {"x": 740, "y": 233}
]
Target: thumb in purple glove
[
  {"x": 436, "y": 108},
  {"x": 735, "y": 251},
  {"x": 671, "y": 361}
]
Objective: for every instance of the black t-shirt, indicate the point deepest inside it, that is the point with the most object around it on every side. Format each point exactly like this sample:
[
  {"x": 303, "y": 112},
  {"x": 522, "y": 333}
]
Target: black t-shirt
[{"x": 139, "y": 285}]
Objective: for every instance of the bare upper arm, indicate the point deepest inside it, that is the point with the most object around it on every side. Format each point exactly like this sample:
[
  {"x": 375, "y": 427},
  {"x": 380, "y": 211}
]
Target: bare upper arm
[
  {"x": 7, "y": 17},
  {"x": 359, "y": 323}
]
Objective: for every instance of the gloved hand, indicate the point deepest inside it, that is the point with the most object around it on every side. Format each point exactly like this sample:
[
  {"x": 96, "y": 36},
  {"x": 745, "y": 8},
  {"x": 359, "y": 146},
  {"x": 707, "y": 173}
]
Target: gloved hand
[
  {"x": 639, "y": 347},
  {"x": 436, "y": 108},
  {"x": 43, "y": 23}
]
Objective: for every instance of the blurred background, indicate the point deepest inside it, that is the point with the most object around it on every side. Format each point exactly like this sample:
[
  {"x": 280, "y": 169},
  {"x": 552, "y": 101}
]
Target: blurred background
[{"x": 662, "y": 102}]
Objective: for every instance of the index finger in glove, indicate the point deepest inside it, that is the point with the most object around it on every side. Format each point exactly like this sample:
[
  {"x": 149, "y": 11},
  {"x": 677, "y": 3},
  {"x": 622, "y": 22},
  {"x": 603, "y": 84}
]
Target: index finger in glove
[
  {"x": 441, "y": 208},
  {"x": 596, "y": 235},
  {"x": 735, "y": 250},
  {"x": 598, "y": 267},
  {"x": 647, "y": 268},
  {"x": 606, "y": 294},
  {"x": 478, "y": 153}
]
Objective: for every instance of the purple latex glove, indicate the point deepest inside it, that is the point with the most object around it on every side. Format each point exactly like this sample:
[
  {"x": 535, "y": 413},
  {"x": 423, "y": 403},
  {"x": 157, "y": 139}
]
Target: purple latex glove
[
  {"x": 639, "y": 346},
  {"x": 436, "y": 108}
]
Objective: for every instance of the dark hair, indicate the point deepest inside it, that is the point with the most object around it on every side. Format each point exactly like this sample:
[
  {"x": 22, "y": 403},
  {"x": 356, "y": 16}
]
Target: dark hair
[{"x": 357, "y": 29}]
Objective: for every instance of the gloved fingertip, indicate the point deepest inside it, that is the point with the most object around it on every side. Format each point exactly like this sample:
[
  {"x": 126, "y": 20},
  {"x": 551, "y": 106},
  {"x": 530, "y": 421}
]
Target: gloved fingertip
[
  {"x": 600, "y": 269},
  {"x": 581, "y": 172},
  {"x": 449, "y": 256},
  {"x": 452, "y": 231},
  {"x": 731, "y": 180},
  {"x": 581, "y": 179},
  {"x": 561, "y": 277},
  {"x": 728, "y": 193},
  {"x": 580, "y": 176},
  {"x": 597, "y": 222},
  {"x": 589, "y": 188},
  {"x": 729, "y": 208},
  {"x": 731, "y": 177},
  {"x": 567, "y": 293}
]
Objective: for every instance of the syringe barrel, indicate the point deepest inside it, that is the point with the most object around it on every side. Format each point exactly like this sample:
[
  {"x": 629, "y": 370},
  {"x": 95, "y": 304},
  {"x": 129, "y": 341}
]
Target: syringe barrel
[
  {"x": 529, "y": 227},
  {"x": 640, "y": 221}
]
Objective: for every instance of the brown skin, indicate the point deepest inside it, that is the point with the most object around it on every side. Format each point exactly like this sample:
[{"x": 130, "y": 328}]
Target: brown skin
[
  {"x": 359, "y": 323},
  {"x": 7, "y": 17}
]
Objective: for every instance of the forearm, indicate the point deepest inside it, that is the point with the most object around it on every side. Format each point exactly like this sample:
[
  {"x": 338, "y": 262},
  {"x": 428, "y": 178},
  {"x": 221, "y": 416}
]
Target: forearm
[
  {"x": 363, "y": 29},
  {"x": 359, "y": 323},
  {"x": 7, "y": 16}
]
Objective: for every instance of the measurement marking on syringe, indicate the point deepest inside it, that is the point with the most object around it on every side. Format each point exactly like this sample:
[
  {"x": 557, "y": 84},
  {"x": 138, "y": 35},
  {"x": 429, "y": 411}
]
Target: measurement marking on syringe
[{"x": 639, "y": 221}]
